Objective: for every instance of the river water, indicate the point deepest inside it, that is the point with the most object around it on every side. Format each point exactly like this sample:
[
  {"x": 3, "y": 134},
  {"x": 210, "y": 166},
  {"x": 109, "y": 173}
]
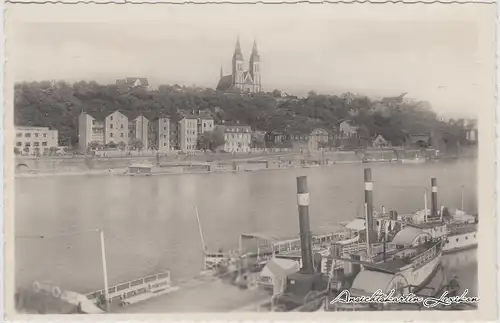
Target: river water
[{"x": 150, "y": 224}]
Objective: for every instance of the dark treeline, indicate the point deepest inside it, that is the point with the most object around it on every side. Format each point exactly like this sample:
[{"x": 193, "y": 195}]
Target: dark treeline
[{"x": 57, "y": 105}]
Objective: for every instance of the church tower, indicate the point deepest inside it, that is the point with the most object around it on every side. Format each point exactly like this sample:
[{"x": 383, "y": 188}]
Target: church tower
[
  {"x": 254, "y": 68},
  {"x": 238, "y": 73}
]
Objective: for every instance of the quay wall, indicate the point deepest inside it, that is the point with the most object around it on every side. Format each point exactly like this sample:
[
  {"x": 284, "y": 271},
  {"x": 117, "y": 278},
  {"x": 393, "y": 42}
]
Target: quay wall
[{"x": 83, "y": 164}]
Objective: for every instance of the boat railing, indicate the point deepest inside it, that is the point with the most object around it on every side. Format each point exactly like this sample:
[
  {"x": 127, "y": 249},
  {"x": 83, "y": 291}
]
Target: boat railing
[
  {"x": 131, "y": 288},
  {"x": 424, "y": 257},
  {"x": 353, "y": 249},
  {"x": 378, "y": 248}
]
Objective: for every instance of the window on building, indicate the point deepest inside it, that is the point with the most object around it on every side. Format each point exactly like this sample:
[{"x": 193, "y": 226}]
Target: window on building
[
  {"x": 27, "y": 135},
  {"x": 44, "y": 143},
  {"x": 111, "y": 126},
  {"x": 121, "y": 126},
  {"x": 19, "y": 134},
  {"x": 45, "y": 135},
  {"x": 27, "y": 144},
  {"x": 111, "y": 118},
  {"x": 19, "y": 143},
  {"x": 36, "y": 135},
  {"x": 36, "y": 144},
  {"x": 111, "y": 135},
  {"x": 164, "y": 128},
  {"x": 164, "y": 144},
  {"x": 164, "y": 136},
  {"x": 121, "y": 135}
]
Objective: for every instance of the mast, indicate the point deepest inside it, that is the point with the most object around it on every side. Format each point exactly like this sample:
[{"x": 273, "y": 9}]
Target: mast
[
  {"x": 462, "y": 201},
  {"x": 199, "y": 228},
  {"x": 383, "y": 235},
  {"x": 425, "y": 206},
  {"x": 104, "y": 270}
]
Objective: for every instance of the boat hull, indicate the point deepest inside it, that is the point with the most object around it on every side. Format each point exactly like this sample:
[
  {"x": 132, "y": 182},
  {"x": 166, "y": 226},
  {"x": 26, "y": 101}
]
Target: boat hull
[{"x": 460, "y": 242}]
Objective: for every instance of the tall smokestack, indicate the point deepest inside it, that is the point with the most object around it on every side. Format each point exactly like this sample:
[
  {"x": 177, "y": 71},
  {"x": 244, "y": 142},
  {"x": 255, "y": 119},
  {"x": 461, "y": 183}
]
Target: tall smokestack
[
  {"x": 371, "y": 233},
  {"x": 434, "y": 198},
  {"x": 305, "y": 231}
]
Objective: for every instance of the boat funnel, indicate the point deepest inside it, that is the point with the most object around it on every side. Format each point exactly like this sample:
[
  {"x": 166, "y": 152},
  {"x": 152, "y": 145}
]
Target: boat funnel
[
  {"x": 371, "y": 231},
  {"x": 434, "y": 198},
  {"x": 305, "y": 231}
]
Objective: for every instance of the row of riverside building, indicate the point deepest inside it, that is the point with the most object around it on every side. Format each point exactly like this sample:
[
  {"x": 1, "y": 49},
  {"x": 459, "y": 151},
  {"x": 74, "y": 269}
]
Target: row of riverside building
[
  {"x": 160, "y": 133},
  {"x": 36, "y": 140}
]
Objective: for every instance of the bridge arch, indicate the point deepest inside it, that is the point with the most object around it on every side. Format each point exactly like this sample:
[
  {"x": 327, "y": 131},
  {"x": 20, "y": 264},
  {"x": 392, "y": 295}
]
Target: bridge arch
[{"x": 22, "y": 167}]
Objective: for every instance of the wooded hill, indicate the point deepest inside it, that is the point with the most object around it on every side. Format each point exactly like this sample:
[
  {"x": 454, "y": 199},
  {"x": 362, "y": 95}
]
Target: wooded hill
[{"x": 57, "y": 105}]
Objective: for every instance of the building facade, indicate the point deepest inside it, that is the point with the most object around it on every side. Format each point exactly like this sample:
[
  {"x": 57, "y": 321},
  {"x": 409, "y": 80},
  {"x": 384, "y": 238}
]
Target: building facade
[
  {"x": 318, "y": 139},
  {"x": 188, "y": 133},
  {"x": 205, "y": 123},
  {"x": 116, "y": 129},
  {"x": 35, "y": 140},
  {"x": 90, "y": 130},
  {"x": 242, "y": 80},
  {"x": 138, "y": 131},
  {"x": 380, "y": 142},
  {"x": 238, "y": 138},
  {"x": 347, "y": 130},
  {"x": 160, "y": 134}
]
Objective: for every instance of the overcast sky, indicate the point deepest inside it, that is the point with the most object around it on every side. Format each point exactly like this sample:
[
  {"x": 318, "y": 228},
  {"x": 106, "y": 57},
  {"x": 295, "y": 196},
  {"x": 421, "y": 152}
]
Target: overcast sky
[{"x": 442, "y": 54}]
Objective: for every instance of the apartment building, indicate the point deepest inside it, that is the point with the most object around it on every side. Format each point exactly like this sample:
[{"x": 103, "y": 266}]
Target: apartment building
[
  {"x": 104, "y": 130},
  {"x": 35, "y": 140},
  {"x": 188, "y": 133},
  {"x": 205, "y": 122},
  {"x": 190, "y": 126},
  {"x": 138, "y": 131},
  {"x": 90, "y": 130},
  {"x": 238, "y": 137},
  {"x": 116, "y": 129},
  {"x": 159, "y": 134}
]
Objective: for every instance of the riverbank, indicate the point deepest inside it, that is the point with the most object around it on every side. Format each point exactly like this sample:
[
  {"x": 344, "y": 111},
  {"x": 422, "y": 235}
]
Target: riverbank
[{"x": 228, "y": 168}]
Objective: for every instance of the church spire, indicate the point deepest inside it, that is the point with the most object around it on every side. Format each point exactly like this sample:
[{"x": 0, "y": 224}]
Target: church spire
[
  {"x": 221, "y": 73},
  {"x": 237, "y": 51},
  {"x": 255, "y": 53}
]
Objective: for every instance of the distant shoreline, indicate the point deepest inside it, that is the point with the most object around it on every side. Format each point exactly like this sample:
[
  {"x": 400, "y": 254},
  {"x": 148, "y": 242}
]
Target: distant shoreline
[{"x": 123, "y": 171}]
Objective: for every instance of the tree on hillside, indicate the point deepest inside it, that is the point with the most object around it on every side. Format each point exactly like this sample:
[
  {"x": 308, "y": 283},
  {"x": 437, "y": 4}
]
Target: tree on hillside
[
  {"x": 136, "y": 144},
  {"x": 93, "y": 145},
  {"x": 58, "y": 105},
  {"x": 210, "y": 140},
  {"x": 122, "y": 145}
]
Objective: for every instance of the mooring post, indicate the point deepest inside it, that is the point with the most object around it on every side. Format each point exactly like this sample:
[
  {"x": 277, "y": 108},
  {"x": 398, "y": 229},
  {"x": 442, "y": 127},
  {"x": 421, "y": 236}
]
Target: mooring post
[
  {"x": 305, "y": 231},
  {"x": 434, "y": 198},
  {"x": 369, "y": 206}
]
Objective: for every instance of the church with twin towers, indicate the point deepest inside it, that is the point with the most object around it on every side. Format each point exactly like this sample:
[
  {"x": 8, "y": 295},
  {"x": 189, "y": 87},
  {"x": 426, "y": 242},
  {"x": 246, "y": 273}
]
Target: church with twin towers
[{"x": 241, "y": 79}]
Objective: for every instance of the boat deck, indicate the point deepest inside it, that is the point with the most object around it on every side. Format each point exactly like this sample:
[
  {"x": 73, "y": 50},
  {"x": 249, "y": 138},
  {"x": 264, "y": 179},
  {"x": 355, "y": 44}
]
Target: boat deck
[
  {"x": 392, "y": 265},
  {"x": 205, "y": 296}
]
